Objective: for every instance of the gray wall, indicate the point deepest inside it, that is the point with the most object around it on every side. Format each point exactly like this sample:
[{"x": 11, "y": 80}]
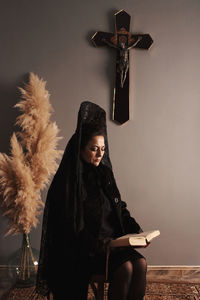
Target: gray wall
[{"x": 156, "y": 155}]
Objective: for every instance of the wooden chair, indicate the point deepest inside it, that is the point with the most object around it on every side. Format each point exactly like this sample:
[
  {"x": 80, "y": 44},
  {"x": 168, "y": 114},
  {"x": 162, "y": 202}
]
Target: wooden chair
[
  {"x": 99, "y": 289},
  {"x": 98, "y": 284}
]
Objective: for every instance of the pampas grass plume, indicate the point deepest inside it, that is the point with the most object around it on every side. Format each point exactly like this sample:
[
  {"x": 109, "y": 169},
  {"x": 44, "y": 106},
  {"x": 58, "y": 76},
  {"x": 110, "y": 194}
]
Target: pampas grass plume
[{"x": 32, "y": 160}]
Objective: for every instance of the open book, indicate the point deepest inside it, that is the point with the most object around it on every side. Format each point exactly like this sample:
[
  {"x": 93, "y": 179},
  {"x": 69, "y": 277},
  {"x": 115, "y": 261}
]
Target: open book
[{"x": 135, "y": 239}]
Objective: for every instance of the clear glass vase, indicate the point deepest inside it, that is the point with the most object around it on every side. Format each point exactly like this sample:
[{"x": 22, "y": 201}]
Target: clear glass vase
[{"x": 23, "y": 264}]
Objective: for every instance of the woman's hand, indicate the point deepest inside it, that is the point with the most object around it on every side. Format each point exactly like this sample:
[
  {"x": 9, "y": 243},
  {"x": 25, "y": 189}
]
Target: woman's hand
[{"x": 148, "y": 243}]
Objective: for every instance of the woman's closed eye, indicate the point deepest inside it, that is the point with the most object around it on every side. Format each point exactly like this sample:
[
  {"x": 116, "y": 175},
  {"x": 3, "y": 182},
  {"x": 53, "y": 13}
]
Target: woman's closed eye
[{"x": 97, "y": 148}]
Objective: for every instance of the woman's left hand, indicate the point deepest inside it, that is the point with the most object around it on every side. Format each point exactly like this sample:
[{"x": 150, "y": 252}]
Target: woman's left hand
[{"x": 148, "y": 243}]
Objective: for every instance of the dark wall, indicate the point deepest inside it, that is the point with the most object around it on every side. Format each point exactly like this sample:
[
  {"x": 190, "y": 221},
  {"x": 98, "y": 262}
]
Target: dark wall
[{"x": 156, "y": 154}]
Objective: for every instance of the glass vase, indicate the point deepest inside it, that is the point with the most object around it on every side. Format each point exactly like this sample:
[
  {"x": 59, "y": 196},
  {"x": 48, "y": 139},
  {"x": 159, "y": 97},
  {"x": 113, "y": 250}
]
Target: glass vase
[{"x": 23, "y": 264}]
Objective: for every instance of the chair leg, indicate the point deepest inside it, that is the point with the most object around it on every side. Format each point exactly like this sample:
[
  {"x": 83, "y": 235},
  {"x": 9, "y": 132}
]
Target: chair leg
[
  {"x": 100, "y": 291},
  {"x": 94, "y": 289}
]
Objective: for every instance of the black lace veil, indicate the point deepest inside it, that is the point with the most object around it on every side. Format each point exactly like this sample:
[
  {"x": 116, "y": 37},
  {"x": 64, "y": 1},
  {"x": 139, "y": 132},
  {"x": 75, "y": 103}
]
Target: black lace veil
[{"x": 63, "y": 213}]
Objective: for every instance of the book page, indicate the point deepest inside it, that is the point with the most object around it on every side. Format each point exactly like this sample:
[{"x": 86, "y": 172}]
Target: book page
[{"x": 135, "y": 239}]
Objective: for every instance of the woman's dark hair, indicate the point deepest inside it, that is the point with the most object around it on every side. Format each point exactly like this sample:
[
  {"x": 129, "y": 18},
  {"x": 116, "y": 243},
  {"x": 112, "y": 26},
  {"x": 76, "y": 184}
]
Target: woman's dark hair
[{"x": 89, "y": 131}]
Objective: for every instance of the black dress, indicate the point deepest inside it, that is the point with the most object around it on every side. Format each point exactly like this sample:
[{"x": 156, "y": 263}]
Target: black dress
[
  {"x": 83, "y": 206},
  {"x": 101, "y": 219}
]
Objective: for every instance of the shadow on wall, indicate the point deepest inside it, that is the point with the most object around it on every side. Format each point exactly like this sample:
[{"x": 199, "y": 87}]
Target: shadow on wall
[
  {"x": 108, "y": 69},
  {"x": 9, "y": 96},
  {"x": 110, "y": 62}
]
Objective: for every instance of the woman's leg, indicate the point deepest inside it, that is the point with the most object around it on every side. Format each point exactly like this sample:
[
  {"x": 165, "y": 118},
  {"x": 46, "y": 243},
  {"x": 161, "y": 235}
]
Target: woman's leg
[
  {"x": 121, "y": 280},
  {"x": 138, "y": 284},
  {"x": 129, "y": 281}
]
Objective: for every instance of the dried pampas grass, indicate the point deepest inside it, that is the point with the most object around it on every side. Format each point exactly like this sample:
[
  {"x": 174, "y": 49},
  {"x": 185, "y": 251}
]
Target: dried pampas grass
[{"x": 32, "y": 160}]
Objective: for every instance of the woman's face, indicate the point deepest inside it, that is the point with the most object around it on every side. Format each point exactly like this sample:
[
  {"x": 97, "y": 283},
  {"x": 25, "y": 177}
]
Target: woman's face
[{"x": 94, "y": 150}]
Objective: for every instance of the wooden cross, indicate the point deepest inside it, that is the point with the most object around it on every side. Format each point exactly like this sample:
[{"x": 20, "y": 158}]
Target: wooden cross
[{"x": 122, "y": 40}]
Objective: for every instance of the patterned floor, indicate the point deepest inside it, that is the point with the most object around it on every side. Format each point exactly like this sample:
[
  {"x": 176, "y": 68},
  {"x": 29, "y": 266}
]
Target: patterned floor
[
  {"x": 172, "y": 291},
  {"x": 167, "y": 291},
  {"x": 154, "y": 291}
]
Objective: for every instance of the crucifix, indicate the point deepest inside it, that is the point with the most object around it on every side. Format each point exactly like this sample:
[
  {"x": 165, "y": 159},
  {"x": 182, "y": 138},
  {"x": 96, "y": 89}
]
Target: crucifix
[{"x": 122, "y": 40}]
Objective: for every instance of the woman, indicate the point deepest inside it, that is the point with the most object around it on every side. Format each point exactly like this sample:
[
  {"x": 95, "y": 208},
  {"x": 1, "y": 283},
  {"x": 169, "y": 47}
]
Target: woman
[{"x": 83, "y": 211}]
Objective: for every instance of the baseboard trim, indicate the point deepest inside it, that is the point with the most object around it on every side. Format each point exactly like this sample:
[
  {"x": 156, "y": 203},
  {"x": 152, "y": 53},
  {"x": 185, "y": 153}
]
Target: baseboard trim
[
  {"x": 180, "y": 273},
  {"x": 174, "y": 266}
]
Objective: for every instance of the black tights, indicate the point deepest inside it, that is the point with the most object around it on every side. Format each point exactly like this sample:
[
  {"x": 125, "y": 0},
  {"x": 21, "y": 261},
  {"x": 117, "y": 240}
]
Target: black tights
[{"x": 129, "y": 281}]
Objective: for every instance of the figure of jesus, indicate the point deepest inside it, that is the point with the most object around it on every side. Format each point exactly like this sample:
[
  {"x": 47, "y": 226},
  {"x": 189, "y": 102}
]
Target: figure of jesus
[{"x": 123, "y": 62}]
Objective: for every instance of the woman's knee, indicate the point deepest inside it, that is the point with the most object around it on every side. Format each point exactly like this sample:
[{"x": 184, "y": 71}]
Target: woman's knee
[
  {"x": 143, "y": 263},
  {"x": 125, "y": 271},
  {"x": 140, "y": 265}
]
